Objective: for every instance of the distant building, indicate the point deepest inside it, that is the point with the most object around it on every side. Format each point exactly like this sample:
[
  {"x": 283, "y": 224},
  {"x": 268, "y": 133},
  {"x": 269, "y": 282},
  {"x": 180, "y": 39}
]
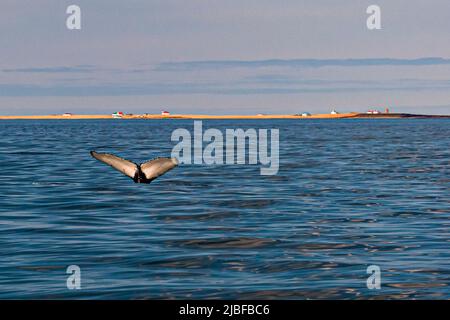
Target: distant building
[
  {"x": 117, "y": 115},
  {"x": 334, "y": 112},
  {"x": 165, "y": 113},
  {"x": 306, "y": 114},
  {"x": 67, "y": 114},
  {"x": 373, "y": 112}
]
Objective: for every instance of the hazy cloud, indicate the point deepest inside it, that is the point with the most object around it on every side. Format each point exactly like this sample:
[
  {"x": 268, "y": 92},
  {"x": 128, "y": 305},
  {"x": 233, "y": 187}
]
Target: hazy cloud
[
  {"x": 243, "y": 86},
  {"x": 56, "y": 69},
  {"x": 299, "y": 63}
]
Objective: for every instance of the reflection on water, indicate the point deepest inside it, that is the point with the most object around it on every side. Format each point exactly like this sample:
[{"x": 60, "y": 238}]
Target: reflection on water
[{"x": 349, "y": 194}]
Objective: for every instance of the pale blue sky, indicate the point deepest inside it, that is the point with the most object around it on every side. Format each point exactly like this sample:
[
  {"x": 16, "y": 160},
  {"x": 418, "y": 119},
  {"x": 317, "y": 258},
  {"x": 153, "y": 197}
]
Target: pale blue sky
[{"x": 225, "y": 56}]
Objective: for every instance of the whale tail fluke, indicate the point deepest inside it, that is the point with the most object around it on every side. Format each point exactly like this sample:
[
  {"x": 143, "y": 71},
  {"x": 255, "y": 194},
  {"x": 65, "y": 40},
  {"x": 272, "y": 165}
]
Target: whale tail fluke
[
  {"x": 144, "y": 173},
  {"x": 127, "y": 167},
  {"x": 157, "y": 167}
]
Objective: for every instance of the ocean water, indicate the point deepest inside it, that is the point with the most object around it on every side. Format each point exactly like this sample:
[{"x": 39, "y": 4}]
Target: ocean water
[{"x": 349, "y": 194}]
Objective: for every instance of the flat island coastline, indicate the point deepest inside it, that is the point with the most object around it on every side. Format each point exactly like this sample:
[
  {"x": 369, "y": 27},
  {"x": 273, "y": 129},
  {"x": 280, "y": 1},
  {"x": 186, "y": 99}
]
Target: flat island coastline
[{"x": 349, "y": 115}]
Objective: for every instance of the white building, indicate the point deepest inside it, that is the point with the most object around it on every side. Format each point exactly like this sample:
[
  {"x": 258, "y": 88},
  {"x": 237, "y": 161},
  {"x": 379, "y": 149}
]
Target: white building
[{"x": 117, "y": 115}]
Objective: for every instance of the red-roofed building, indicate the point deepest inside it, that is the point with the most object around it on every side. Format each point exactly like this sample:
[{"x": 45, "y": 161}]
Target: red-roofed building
[{"x": 118, "y": 114}]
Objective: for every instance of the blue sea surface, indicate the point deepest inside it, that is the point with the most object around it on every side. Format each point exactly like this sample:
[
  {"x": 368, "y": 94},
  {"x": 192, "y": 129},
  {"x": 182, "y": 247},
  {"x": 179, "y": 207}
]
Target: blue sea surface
[{"x": 349, "y": 194}]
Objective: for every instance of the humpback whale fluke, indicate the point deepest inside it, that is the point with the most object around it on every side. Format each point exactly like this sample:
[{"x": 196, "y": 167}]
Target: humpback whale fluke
[{"x": 140, "y": 173}]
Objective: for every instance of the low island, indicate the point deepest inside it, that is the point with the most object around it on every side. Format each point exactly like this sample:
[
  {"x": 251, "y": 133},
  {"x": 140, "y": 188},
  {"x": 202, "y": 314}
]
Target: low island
[{"x": 349, "y": 115}]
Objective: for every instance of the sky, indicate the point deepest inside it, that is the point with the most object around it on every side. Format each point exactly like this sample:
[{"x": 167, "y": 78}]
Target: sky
[{"x": 224, "y": 57}]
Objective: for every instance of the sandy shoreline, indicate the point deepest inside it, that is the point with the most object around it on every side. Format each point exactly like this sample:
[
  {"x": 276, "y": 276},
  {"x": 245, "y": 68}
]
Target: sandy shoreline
[
  {"x": 206, "y": 117},
  {"x": 179, "y": 116}
]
